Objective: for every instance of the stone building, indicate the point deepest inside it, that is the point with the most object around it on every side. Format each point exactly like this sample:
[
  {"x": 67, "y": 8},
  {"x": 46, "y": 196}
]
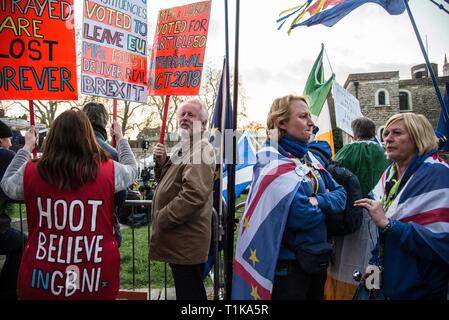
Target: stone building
[{"x": 383, "y": 94}]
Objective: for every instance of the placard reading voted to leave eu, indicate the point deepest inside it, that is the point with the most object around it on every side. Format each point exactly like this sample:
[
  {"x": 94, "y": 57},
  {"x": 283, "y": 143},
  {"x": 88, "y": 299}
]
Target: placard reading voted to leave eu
[
  {"x": 178, "y": 50},
  {"x": 114, "y": 59},
  {"x": 37, "y": 50}
]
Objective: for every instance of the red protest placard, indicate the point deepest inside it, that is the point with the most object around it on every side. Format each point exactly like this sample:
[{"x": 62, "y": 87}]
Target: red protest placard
[
  {"x": 37, "y": 52},
  {"x": 178, "y": 50}
]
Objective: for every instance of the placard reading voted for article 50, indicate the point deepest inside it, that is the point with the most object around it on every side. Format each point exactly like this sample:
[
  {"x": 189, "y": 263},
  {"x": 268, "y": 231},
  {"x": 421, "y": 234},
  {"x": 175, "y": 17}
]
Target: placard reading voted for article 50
[
  {"x": 178, "y": 50},
  {"x": 114, "y": 59},
  {"x": 37, "y": 50}
]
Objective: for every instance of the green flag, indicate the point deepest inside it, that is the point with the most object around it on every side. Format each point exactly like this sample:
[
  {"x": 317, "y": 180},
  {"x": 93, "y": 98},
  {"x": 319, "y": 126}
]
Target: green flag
[{"x": 316, "y": 88}]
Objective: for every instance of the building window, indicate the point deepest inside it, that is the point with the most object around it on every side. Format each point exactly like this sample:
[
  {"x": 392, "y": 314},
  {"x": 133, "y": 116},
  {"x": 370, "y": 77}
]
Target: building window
[
  {"x": 382, "y": 98},
  {"x": 405, "y": 100},
  {"x": 420, "y": 73},
  {"x": 380, "y": 134}
]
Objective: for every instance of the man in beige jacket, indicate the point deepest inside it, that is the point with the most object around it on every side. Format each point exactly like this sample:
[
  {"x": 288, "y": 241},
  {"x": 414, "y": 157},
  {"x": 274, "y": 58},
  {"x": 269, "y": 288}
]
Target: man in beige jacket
[{"x": 182, "y": 203}]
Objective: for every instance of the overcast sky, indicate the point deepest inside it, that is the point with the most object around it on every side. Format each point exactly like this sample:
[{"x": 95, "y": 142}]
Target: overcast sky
[{"x": 273, "y": 64}]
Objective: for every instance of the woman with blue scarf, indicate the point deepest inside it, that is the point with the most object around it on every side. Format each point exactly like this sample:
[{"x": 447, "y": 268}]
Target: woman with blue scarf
[
  {"x": 411, "y": 210},
  {"x": 304, "y": 252}
]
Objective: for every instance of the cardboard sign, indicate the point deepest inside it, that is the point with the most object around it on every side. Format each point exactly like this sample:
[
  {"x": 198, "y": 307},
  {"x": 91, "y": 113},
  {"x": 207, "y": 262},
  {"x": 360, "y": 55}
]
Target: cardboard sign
[
  {"x": 37, "y": 51},
  {"x": 114, "y": 59},
  {"x": 347, "y": 108},
  {"x": 178, "y": 50}
]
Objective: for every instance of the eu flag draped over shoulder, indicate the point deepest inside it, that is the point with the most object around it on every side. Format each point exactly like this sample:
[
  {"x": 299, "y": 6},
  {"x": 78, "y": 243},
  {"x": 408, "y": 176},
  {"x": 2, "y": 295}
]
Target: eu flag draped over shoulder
[
  {"x": 329, "y": 17},
  {"x": 262, "y": 224},
  {"x": 274, "y": 184},
  {"x": 221, "y": 121}
]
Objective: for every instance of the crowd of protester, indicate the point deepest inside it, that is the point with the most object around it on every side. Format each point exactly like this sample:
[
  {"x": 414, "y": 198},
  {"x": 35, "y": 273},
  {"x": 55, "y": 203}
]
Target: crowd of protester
[{"x": 74, "y": 194}]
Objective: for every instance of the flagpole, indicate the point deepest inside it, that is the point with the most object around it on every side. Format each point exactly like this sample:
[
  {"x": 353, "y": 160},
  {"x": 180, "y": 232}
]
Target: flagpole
[
  {"x": 440, "y": 5},
  {"x": 226, "y": 32},
  {"x": 114, "y": 118},
  {"x": 224, "y": 114},
  {"x": 426, "y": 58},
  {"x": 231, "y": 176},
  {"x": 32, "y": 123},
  {"x": 226, "y": 255},
  {"x": 164, "y": 119}
]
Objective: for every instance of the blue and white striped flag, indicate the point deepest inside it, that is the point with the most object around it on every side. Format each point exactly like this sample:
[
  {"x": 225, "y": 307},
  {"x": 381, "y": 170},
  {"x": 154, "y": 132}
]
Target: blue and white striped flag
[{"x": 244, "y": 167}]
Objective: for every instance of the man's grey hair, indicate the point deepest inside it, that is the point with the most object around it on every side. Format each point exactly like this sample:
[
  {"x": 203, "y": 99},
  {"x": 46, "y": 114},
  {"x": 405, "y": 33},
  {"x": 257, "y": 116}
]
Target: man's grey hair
[
  {"x": 363, "y": 128},
  {"x": 97, "y": 114},
  {"x": 203, "y": 109}
]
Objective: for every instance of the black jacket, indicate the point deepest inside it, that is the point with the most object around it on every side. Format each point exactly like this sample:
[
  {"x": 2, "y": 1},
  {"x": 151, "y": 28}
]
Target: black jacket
[{"x": 6, "y": 157}]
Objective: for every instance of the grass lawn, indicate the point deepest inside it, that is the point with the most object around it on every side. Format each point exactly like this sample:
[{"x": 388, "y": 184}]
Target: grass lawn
[
  {"x": 141, "y": 262},
  {"x": 13, "y": 210},
  {"x": 158, "y": 270},
  {"x": 241, "y": 199},
  {"x": 141, "y": 259}
]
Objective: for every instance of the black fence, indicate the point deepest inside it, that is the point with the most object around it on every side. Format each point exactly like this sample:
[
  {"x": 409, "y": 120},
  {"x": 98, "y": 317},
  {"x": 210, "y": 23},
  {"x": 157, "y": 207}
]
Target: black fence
[{"x": 136, "y": 209}]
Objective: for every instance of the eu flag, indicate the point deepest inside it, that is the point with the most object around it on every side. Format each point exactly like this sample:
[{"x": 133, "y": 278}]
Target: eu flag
[
  {"x": 221, "y": 139},
  {"x": 221, "y": 130}
]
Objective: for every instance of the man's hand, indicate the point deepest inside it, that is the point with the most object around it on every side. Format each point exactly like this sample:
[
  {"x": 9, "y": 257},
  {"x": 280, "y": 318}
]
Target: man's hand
[{"x": 159, "y": 154}]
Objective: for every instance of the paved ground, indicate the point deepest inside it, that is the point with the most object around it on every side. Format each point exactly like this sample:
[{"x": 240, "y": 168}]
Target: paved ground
[{"x": 156, "y": 294}]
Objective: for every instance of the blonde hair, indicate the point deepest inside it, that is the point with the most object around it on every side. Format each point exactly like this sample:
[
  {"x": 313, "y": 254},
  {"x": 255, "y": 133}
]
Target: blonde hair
[
  {"x": 419, "y": 129},
  {"x": 280, "y": 111}
]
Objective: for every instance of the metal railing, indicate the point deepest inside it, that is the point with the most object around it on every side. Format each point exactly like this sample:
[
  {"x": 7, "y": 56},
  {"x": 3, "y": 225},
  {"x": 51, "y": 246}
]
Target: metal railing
[
  {"x": 135, "y": 204},
  {"x": 218, "y": 271},
  {"x": 218, "y": 234}
]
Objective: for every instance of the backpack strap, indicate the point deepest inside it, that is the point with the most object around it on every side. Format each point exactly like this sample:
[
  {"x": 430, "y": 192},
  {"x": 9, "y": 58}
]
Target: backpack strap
[{"x": 321, "y": 156}]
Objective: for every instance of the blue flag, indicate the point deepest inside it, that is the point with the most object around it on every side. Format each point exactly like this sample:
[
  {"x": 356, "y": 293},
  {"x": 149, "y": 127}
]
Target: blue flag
[
  {"x": 221, "y": 121},
  {"x": 244, "y": 166},
  {"x": 442, "y": 130}
]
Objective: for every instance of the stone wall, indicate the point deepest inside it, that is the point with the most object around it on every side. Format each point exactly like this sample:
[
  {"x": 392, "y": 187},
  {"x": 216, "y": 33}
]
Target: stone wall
[{"x": 424, "y": 99}]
